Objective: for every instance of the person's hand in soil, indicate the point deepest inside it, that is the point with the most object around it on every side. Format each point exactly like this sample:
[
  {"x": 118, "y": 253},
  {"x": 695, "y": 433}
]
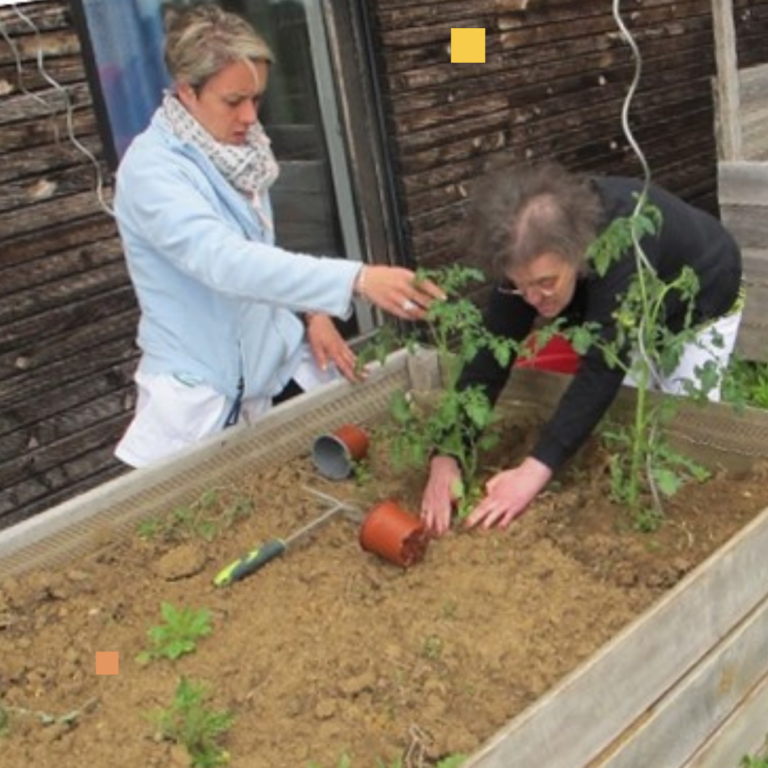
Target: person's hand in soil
[
  {"x": 397, "y": 291},
  {"x": 328, "y": 346},
  {"x": 440, "y": 494},
  {"x": 509, "y": 494}
]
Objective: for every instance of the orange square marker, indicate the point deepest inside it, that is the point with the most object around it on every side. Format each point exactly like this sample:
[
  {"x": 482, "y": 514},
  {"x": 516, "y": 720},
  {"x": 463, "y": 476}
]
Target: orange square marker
[
  {"x": 107, "y": 662},
  {"x": 467, "y": 45}
]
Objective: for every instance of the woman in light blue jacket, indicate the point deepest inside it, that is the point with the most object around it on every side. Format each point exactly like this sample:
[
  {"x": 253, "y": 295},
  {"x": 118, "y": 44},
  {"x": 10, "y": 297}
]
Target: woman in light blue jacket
[{"x": 225, "y": 314}]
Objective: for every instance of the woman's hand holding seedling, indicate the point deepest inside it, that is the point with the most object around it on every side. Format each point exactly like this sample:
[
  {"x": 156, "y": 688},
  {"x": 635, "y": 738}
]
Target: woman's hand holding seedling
[
  {"x": 397, "y": 291},
  {"x": 443, "y": 487},
  {"x": 509, "y": 494}
]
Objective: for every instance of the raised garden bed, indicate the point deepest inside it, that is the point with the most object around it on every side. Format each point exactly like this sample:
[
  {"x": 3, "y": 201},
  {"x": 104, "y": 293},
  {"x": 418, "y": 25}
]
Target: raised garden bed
[{"x": 569, "y": 641}]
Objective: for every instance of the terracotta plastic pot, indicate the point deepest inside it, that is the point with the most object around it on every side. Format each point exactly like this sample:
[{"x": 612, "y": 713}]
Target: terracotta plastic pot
[
  {"x": 335, "y": 454},
  {"x": 393, "y": 533},
  {"x": 556, "y": 355}
]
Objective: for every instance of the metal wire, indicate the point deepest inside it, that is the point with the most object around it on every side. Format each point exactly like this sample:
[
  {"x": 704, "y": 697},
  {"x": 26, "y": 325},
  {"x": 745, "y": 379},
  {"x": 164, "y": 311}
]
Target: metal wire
[{"x": 67, "y": 102}]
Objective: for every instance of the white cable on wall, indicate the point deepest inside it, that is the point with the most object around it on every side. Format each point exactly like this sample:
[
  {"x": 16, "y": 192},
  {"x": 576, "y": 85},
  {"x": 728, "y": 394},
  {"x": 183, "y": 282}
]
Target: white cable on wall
[{"x": 65, "y": 94}]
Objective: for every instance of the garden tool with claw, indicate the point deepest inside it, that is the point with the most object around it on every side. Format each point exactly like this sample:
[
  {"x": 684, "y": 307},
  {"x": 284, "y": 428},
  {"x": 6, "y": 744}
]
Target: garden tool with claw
[{"x": 259, "y": 557}]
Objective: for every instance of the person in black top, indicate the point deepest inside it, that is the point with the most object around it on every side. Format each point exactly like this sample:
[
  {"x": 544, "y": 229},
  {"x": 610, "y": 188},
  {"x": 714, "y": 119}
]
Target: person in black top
[{"x": 536, "y": 224}]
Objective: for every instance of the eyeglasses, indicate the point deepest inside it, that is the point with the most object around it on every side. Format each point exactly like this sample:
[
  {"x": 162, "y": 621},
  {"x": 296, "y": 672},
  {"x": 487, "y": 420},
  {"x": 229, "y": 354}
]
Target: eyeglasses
[{"x": 546, "y": 287}]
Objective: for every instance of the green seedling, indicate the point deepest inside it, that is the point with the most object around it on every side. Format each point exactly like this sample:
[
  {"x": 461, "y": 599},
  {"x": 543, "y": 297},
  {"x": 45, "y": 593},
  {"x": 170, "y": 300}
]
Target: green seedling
[
  {"x": 432, "y": 648},
  {"x": 178, "y": 635},
  {"x": 460, "y": 422},
  {"x": 205, "y": 518},
  {"x": 5, "y": 721},
  {"x": 189, "y": 722},
  {"x": 644, "y": 467},
  {"x": 361, "y": 473},
  {"x": 754, "y": 762},
  {"x": 746, "y": 383}
]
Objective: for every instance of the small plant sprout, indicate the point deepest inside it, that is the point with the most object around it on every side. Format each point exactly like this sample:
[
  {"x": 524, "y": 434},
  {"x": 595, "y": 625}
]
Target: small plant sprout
[
  {"x": 178, "y": 635},
  {"x": 746, "y": 383},
  {"x": 432, "y": 648},
  {"x": 216, "y": 510},
  {"x": 189, "y": 722}
]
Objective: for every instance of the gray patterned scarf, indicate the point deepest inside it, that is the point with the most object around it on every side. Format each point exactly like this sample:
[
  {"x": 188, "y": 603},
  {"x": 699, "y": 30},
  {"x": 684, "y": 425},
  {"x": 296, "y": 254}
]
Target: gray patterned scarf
[{"x": 251, "y": 167}]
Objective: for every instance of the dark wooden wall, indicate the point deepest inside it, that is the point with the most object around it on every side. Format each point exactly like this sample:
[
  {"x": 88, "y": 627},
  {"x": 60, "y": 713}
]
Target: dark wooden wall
[
  {"x": 751, "y": 21},
  {"x": 67, "y": 310},
  {"x": 552, "y": 86}
]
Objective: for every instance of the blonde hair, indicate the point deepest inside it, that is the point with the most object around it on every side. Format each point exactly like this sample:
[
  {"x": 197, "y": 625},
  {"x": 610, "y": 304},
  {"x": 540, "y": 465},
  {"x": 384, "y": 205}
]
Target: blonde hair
[{"x": 203, "y": 39}]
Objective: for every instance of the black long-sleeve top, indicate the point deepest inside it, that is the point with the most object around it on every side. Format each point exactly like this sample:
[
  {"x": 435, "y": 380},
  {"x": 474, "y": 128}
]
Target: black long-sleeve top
[{"x": 688, "y": 237}]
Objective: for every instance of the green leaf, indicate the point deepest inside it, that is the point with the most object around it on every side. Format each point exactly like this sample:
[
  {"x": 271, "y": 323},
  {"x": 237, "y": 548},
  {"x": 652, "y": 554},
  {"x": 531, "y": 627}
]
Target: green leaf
[{"x": 667, "y": 481}]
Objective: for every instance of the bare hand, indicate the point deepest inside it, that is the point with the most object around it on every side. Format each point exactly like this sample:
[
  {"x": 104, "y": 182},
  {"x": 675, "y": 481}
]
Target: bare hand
[
  {"x": 508, "y": 494},
  {"x": 396, "y": 290},
  {"x": 328, "y": 346},
  {"x": 439, "y": 495}
]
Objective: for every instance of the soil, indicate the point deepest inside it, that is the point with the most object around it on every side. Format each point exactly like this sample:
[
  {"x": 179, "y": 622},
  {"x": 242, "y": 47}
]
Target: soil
[{"x": 330, "y": 650}]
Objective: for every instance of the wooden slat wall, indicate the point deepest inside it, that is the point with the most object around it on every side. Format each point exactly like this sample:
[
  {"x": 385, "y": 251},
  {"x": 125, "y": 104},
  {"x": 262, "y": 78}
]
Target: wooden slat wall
[
  {"x": 553, "y": 84},
  {"x": 67, "y": 310},
  {"x": 751, "y": 22}
]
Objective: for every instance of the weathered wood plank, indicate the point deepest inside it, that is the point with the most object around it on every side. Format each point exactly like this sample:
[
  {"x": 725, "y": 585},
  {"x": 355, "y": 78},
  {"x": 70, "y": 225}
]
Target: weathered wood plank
[
  {"x": 505, "y": 50},
  {"x": 52, "y": 129},
  {"x": 70, "y": 395},
  {"x": 68, "y": 461},
  {"x": 581, "y": 717},
  {"x": 45, "y": 159},
  {"x": 749, "y": 225},
  {"x": 78, "y": 206},
  {"x": 84, "y": 474},
  {"x": 51, "y": 43},
  {"x": 660, "y": 64},
  {"x": 37, "y": 302},
  {"x": 753, "y": 82},
  {"x": 31, "y": 337},
  {"x": 743, "y": 733},
  {"x": 49, "y": 186},
  {"x": 727, "y": 81},
  {"x": 40, "y": 435},
  {"x": 743, "y": 184},
  {"x": 669, "y": 734},
  {"x": 86, "y": 353},
  {"x": 45, "y": 16},
  {"x": 54, "y": 239},
  {"x": 518, "y": 31},
  {"x": 64, "y": 70},
  {"x": 64, "y": 264},
  {"x": 45, "y": 103}
]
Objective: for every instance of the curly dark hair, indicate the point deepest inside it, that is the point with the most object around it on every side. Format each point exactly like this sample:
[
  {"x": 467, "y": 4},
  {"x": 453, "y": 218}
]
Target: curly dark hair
[{"x": 519, "y": 212}]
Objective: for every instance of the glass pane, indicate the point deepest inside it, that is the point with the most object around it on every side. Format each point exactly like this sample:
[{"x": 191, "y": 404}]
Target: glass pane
[
  {"x": 127, "y": 38},
  {"x": 306, "y": 213}
]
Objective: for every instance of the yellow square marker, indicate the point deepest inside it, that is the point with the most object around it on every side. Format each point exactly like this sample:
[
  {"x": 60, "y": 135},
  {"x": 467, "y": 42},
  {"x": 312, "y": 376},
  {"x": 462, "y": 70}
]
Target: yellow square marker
[
  {"x": 107, "y": 662},
  {"x": 467, "y": 45}
]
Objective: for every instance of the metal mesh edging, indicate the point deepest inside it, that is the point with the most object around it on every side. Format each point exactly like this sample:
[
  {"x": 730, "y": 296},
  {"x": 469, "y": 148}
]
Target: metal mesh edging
[
  {"x": 82, "y": 524},
  {"x": 718, "y": 436}
]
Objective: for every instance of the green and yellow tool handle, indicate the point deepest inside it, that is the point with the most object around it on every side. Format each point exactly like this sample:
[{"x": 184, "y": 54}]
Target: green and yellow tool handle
[{"x": 250, "y": 563}]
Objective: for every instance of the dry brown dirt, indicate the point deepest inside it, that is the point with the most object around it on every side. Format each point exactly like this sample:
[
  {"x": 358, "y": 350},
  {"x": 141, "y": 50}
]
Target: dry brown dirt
[{"x": 330, "y": 650}]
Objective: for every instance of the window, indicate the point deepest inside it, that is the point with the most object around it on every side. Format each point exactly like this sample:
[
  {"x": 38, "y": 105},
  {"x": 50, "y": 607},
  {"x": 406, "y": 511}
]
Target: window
[{"x": 317, "y": 199}]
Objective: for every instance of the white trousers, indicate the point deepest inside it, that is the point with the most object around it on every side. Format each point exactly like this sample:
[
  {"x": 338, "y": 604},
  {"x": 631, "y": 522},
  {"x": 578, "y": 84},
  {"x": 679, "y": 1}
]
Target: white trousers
[
  {"x": 715, "y": 342},
  {"x": 172, "y": 415}
]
